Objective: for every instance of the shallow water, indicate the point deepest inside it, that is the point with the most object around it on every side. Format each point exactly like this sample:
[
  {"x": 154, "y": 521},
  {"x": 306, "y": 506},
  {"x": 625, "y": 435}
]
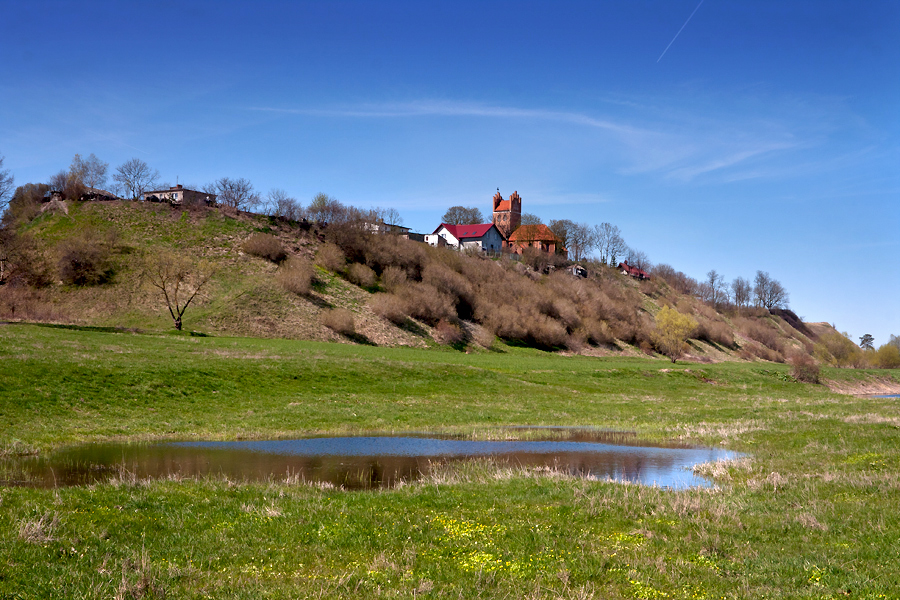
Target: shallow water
[{"x": 364, "y": 462}]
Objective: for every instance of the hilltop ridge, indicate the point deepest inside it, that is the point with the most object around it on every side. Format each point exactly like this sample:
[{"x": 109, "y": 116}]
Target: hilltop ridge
[{"x": 393, "y": 291}]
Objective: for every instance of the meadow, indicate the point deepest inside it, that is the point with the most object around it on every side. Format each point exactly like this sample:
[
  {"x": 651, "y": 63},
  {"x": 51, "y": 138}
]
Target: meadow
[{"x": 810, "y": 513}]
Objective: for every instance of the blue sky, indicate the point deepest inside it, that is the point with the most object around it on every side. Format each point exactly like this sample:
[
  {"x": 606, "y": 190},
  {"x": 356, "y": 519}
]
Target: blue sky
[{"x": 764, "y": 137}]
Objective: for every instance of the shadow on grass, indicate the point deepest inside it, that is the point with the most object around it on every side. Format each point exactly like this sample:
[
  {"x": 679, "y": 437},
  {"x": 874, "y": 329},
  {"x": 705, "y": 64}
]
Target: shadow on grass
[{"x": 359, "y": 338}]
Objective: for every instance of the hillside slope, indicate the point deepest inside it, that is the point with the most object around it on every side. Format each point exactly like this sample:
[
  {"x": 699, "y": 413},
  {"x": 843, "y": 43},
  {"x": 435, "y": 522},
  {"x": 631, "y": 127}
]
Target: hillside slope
[{"x": 442, "y": 296}]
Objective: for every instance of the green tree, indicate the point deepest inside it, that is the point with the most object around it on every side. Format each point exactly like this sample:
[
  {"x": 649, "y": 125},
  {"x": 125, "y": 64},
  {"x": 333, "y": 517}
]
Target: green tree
[
  {"x": 672, "y": 331},
  {"x": 866, "y": 342},
  {"x": 886, "y": 357}
]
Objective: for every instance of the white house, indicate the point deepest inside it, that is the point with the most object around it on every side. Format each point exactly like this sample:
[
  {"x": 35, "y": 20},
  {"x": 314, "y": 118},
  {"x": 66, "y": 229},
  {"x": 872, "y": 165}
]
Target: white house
[{"x": 483, "y": 237}]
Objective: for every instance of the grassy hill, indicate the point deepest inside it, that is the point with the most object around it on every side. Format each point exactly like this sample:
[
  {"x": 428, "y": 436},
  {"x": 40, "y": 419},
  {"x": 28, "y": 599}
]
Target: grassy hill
[{"x": 398, "y": 293}]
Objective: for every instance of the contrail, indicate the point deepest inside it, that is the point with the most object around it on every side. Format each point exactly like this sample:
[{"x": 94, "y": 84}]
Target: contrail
[{"x": 677, "y": 34}]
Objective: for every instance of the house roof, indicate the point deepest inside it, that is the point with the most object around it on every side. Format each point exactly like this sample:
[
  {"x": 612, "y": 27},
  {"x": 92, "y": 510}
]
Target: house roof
[
  {"x": 632, "y": 270},
  {"x": 461, "y": 232},
  {"x": 533, "y": 233}
]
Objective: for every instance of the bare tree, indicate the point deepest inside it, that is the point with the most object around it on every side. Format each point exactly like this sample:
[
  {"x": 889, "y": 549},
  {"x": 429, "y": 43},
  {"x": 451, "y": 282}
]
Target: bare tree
[
  {"x": 581, "y": 241},
  {"x": 741, "y": 292},
  {"x": 280, "y": 204},
  {"x": 236, "y": 193},
  {"x": 530, "y": 219},
  {"x": 68, "y": 184},
  {"x": 714, "y": 290},
  {"x": 135, "y": 177},
  {"x": 178, "y": 278},
  {"x": 561, "y": 228},
  {"x": 681, "y": 283},
  {"x": 325, "y": 209},
  {"x": 392, "y": 216},
  {"x": 610, "y": 244},
  {"x": 767, "y": 292},
  {"x": 6, "y": 186},
  {"x": 90, "y": 171},
  {"x": 638, "y": 258},
  {"x": 462, "y": 215}
]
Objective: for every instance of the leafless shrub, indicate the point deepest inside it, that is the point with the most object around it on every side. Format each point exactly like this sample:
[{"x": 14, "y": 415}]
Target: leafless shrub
[
  {"x": 804, "y": 368},
  {"x": 390, "y": 307},
  {"x": 296, "y": 276},
  {"x": 760, "y": 351},
  {"x": 483, "y": 337},
  {"x": 546, "y": 332},
  {"x": 425, "y": 302},
  {"x": 385, "y": 251},
  {"x": 85, "y": 260},
  {"x": 265, "y": 246},
  {"x": 22, "y": 262},
  {"x": 763, "y": 333},
  {"x": 448, "y": 333},
  {"x": 453, "y": 285},
  {"x": 503, "y": 321},
  {"x": 715, "y": 332},
  {"x": 393, "y": 278},
  {"x": 595, "y": 332},
  {"x": 331, "y": 258},
  {"x": 339, "y": 320},
  {"x": 361, "y": 275}
]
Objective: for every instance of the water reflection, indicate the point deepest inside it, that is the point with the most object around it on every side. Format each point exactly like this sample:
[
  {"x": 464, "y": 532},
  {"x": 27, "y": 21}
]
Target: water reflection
[{"x": 364, "y": 462}]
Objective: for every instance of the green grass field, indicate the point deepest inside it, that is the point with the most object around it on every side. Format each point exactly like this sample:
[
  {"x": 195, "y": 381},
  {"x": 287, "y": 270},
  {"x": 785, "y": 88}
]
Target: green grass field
[{"x": 811, "y": 514}]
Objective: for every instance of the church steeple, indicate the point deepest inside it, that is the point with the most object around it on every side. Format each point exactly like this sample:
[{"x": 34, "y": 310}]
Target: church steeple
[{"x": 507, "y": 214}]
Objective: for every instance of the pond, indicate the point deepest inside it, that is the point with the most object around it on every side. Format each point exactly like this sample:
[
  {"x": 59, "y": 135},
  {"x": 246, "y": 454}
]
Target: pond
[{"x": 364, "y": 462}]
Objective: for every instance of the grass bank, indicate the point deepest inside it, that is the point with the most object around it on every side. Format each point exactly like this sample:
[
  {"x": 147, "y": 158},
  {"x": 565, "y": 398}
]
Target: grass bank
[{"x": 810, "y": 515}]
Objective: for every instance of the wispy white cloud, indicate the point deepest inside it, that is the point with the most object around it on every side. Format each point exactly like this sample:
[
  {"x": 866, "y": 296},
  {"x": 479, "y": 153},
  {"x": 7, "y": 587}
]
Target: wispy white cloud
[
  {"x": 456, "y": 109},
  {"x": 682, "y": 142}
]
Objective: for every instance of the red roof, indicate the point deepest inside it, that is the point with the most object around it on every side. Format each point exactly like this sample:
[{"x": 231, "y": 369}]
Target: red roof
[
  {"x": 633, "y": 271},
  {"x": 503, "y": 205},
  {"x": 461, "y": 232},
  {"x": 534, "y": 233}
]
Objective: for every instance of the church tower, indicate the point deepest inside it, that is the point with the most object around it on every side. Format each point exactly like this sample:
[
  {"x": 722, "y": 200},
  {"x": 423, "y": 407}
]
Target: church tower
[{"x": 507, "y": 214}]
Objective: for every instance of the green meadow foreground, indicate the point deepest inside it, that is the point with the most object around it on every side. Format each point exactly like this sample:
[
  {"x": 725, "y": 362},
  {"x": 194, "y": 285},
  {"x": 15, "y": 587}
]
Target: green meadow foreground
[{"x": 812, "y": 513}]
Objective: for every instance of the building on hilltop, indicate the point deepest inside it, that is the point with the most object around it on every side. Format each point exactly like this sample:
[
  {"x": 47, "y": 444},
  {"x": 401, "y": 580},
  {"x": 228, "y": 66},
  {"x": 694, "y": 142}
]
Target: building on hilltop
[
  {"x": 633, "y": 271},
  {"x": 483, "y": 237},
  {"x": 507, "y": 214},
  {"x": 178, "y": 195},
  {"x": 534, "y": 236}
]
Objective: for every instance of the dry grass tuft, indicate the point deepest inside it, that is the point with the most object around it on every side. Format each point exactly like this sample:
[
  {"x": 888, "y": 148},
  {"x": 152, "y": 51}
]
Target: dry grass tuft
[{"x": 38, "y": 531}]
